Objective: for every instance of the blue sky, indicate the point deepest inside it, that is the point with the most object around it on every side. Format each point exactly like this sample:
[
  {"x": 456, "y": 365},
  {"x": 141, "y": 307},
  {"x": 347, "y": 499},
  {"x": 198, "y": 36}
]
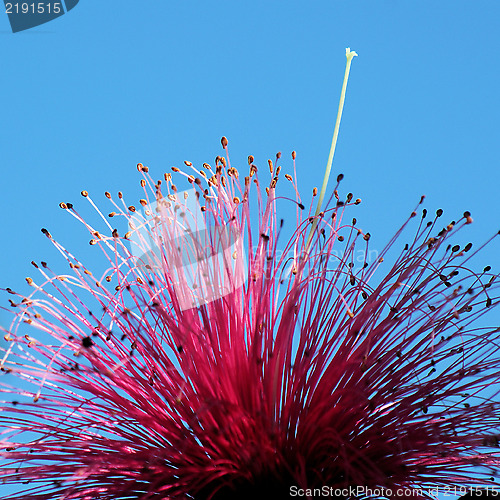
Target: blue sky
[
  {"x": 116, "y": 82},
  {"x": 88, "y": 95}
]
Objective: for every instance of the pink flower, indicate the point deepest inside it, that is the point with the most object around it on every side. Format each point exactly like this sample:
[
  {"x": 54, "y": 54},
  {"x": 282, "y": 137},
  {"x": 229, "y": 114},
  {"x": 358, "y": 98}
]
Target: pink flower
[
  {"x": 216, "y": 357},
  {"x": 313, "y": 371}
]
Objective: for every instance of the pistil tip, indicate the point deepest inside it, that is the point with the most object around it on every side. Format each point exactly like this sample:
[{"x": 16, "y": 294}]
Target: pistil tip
[{"x": 350, "y": 53}]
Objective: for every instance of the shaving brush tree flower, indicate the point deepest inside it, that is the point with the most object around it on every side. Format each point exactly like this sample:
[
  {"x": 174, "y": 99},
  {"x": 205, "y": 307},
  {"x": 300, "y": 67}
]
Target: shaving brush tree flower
[{"x": 216, "y": 358}]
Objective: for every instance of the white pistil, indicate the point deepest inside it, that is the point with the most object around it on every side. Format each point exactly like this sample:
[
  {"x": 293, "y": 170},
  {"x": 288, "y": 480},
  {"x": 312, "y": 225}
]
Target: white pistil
[{"x": 349, "y": 55}]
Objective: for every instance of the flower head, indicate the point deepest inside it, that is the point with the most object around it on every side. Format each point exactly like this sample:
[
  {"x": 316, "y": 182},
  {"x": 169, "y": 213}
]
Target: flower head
[
  {"x": 309, "y": 372},
  {"x": 217, "y": 357}
]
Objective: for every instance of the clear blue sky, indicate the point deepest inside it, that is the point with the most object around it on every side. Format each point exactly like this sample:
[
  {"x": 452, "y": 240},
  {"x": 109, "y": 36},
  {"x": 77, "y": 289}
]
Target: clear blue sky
[
  {"x": 114, "y": 82},
  {"x": 88, "y": 95}
]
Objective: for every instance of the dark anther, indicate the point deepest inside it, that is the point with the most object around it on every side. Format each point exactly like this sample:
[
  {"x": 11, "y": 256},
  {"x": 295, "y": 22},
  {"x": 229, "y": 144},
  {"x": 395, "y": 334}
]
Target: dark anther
[
  {"x": 340, "y": 177},
  {"x": 439, "y": 212},
  {"x": 87, "y": 342}
]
